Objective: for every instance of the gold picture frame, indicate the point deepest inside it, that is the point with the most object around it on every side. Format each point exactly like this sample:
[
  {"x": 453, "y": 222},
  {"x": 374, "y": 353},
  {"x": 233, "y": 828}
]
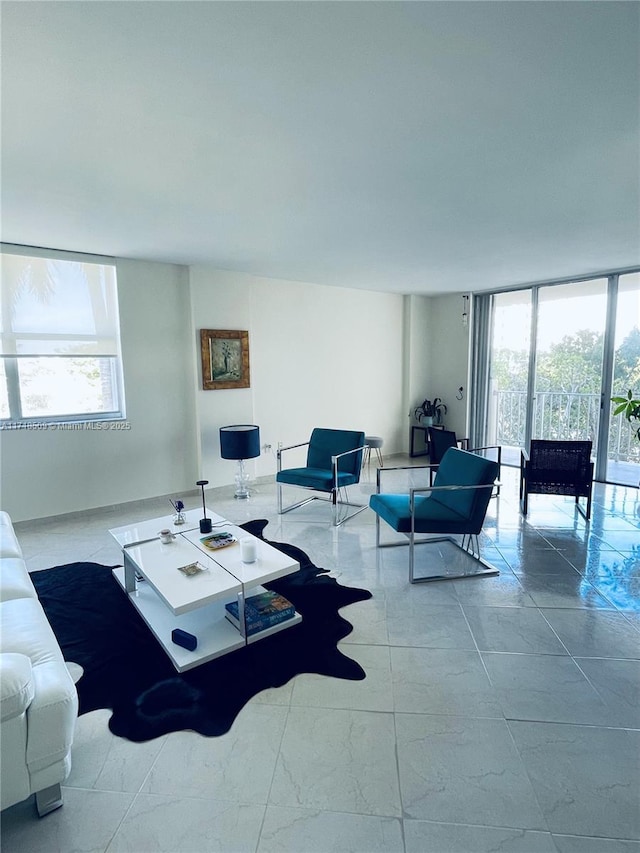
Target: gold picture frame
[{"x": 225, "y": 359}]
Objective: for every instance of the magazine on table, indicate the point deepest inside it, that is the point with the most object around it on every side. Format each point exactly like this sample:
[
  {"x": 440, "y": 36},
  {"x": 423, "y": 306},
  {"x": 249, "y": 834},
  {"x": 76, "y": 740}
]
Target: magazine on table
[{"x": 262, "y": 610}]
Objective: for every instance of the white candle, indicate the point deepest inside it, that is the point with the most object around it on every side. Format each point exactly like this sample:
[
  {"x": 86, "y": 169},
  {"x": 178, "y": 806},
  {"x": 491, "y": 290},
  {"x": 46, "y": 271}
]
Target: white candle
[{"x": 248, "y": 550}]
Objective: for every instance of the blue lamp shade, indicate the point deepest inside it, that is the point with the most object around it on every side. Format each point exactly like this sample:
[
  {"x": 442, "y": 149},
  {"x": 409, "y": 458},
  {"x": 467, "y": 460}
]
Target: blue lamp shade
[{"x": 240, "y": 441}]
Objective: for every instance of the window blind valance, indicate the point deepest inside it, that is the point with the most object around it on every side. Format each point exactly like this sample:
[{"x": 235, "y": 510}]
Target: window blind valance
[
  {"x": 51, "y": 306},
  {"x": 59, "y": 337}
]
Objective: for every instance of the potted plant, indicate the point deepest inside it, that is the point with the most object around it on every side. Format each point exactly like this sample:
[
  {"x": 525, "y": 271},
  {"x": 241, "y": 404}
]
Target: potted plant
[
  {"x": 428, "y": 411},
  {"x": 440, "y": 410},
  {"x": 630, "y": 408}
]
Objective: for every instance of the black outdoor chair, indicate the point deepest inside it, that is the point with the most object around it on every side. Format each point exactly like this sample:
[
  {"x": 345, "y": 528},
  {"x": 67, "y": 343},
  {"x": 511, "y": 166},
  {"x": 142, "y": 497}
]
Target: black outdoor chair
[
  {"x": 440, "y": 440},
  {"x": 557, "y": 468}
]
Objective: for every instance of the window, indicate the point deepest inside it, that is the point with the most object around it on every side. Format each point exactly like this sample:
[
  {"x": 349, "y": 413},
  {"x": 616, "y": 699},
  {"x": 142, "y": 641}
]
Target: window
[
  {"x": 547, "y": 359},
  {"x": 59, "y": 338}
]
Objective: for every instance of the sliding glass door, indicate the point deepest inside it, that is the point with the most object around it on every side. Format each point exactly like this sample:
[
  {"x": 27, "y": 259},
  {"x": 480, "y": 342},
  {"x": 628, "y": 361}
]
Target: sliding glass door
[
  {"x": 568, "y": 361},
  {"x": 509, "y": 373},
  {"x": 547, "y": 360}
]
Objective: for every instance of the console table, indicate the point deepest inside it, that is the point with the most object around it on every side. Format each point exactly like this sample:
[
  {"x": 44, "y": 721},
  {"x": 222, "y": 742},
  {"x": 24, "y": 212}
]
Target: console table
[{"x": 425, "y": 430}]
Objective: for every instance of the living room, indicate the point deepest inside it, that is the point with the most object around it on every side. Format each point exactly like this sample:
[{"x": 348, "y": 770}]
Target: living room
[
  {"x": 173, "y": 440},
  {"x": 342, "y": 181}
]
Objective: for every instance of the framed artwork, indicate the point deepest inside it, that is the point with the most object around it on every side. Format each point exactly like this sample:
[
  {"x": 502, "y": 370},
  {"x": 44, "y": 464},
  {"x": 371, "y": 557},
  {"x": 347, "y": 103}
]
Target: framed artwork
[{"x": 225, "y": 359}]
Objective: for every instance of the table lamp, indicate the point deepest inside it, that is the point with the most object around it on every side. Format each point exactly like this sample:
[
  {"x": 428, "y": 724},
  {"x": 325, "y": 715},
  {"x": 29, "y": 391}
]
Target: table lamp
[
  {"x": 205, "y": 523},
  {"x": 240, "y": 441}
]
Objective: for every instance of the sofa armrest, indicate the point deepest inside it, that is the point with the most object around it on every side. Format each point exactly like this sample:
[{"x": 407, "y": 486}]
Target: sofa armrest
[
  {"x": 9, "y": 545},
  {"x": 16, "y": 685},
  {"x": 16, "y": 581}
]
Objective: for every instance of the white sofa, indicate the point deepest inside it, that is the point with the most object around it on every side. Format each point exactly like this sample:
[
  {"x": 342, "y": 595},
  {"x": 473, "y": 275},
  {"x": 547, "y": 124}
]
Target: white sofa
[{"x": 38, "y": 699}]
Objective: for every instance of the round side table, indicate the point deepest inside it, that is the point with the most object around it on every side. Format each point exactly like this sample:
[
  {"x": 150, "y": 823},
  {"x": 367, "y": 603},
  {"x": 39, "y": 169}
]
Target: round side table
[{"x": 373, "y": 442}]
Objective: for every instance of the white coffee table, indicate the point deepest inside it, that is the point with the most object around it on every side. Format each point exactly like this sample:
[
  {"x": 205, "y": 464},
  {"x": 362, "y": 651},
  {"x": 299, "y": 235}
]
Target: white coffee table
[{"x": 168, "y": 599}]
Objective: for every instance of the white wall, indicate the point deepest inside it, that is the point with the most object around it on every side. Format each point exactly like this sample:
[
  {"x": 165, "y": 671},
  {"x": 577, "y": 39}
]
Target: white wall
[
  {"x": 320, "y": 356},
  {"x": 436, "y": 356},
  {"x": 52, "y": 472},
  {"x": 449, "y": 343},
  {"x": 418, "y": 366}
]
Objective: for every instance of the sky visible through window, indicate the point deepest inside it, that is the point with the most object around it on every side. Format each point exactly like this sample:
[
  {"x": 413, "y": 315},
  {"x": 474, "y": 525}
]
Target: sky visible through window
[
  {"x": 565, "y": 316},
  {"x": 61, "y": 321},
  {"x": 60, "y": 299}
]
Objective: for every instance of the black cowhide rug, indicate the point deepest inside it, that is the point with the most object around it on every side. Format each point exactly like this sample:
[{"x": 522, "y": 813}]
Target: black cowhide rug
[{"x": 125, "y": 668}]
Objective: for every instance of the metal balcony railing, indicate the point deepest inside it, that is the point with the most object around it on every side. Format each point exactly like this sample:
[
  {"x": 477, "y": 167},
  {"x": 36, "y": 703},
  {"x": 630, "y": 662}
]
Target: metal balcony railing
[{"x": 561, "y": 416}]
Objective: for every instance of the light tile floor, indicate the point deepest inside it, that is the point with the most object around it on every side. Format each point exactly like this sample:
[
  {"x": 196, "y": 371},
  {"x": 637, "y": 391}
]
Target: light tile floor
[{"x": 498, "y": 713}]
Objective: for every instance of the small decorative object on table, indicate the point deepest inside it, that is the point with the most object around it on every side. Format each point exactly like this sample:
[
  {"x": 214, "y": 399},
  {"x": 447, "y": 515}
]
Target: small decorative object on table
[
  {"x": 192, "y": 569},
  {"x": 184, "y": 639},
  {"x": 248, "y": 550},
  {"x": 166, "y": 536},
  {"x": 218, "y": 540},
  {"x": 178, "y": 506},
  {"x": 205, "y": 523}
]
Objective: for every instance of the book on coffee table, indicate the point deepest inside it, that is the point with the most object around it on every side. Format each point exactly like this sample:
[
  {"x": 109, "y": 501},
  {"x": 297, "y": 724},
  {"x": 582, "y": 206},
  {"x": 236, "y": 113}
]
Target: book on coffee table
[{"x": 263, "y": 610}]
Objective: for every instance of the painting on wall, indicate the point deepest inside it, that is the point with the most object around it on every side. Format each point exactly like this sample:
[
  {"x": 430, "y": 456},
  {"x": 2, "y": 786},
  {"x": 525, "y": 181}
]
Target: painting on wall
[{"x": 225, "y": 359}]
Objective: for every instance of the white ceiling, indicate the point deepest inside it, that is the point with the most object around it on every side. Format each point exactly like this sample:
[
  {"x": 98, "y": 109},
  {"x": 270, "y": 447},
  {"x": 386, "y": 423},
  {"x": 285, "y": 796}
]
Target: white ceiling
[{"x": 412, "y": 147}]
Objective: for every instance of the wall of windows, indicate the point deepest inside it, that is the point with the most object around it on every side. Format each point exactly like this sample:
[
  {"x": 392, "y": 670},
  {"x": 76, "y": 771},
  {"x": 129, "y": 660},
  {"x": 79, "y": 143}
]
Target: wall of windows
[
  {"x": 547, "y": 360},
  {"x": 59, "y": 338}
]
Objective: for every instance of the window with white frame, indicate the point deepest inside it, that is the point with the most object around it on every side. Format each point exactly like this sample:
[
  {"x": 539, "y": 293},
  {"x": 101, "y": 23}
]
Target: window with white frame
[{"x": 59, "y": 338}]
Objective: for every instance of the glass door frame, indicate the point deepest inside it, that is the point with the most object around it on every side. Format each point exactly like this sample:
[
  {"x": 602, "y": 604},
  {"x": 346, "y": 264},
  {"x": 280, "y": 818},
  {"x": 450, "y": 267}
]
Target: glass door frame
[
  {"x": 602, "y": 449},
  {"x": 531, "y": 378}
]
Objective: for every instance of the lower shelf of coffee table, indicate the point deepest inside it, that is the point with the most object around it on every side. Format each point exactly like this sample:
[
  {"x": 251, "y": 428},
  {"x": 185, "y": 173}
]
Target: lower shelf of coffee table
[{"x": 216, "y": 635}]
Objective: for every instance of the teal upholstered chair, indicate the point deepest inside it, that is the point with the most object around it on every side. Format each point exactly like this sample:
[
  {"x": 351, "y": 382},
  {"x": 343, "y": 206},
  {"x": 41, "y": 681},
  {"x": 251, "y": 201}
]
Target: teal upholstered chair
[
  {"x": 455, "y": 505},
  {"x": 440, "y": 440},
  {"x": 334, "y": 461}
]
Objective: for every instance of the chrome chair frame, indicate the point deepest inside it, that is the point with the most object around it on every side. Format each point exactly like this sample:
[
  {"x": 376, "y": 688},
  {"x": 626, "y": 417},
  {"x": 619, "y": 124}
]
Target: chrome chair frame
[
  {"x": 333, "y": 495},
  {"x": 465, "y": 544}
]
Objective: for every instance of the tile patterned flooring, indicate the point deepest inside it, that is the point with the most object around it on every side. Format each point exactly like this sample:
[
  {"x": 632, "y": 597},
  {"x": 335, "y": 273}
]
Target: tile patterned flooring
[{"x": 498, "y": 713}]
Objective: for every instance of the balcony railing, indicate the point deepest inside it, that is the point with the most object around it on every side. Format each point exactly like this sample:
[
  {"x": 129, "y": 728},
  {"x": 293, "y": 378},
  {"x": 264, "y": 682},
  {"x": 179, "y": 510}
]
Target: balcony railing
[{"x": 561, "y": 416}]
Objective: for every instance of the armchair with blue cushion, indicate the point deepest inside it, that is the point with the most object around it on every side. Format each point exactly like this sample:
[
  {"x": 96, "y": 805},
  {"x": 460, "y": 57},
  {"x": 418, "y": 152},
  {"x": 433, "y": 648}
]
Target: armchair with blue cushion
[
  {"x": 440, "y": 440},
  {"x": 455, "y": 505},
  {"x": 334, "y": 461}
]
